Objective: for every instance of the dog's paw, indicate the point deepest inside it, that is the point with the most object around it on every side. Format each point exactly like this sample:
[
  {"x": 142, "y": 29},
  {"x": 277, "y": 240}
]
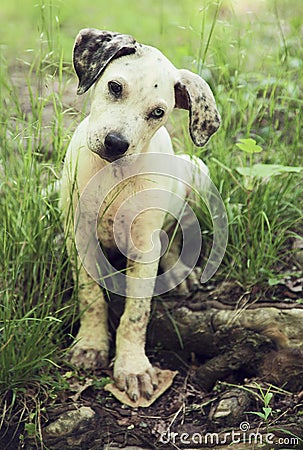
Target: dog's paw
[
  {"x": 135, "y": 375},
  {"x": 87, "y": 357}
]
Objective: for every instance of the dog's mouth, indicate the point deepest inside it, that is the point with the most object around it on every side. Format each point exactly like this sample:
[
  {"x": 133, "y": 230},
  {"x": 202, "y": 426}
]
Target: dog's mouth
[{"x": 107, "y": 157}]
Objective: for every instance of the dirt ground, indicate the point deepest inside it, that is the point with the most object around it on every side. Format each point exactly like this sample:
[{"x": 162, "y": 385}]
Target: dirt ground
[{"x": 82, "y": 415}]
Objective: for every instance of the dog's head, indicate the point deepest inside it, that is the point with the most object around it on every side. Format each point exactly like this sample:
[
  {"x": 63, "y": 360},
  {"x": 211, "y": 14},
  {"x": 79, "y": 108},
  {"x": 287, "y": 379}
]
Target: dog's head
[{"x": 135, "y": 89}]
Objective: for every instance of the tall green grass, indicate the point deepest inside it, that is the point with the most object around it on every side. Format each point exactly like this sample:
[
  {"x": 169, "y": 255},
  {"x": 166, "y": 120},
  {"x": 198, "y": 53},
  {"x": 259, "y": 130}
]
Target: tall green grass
[
  {"x": 34, "y": 279},
  {"x": 259, "y": 90}
]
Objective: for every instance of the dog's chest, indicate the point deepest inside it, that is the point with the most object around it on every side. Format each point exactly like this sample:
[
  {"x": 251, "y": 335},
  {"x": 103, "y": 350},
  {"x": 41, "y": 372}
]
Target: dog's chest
[
  {"x": 118, "y": 213},
  {"x": 111, "y": 221}
]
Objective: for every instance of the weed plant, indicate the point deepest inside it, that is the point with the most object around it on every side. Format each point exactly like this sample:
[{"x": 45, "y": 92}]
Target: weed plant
[{"x": 255, "y": 69}]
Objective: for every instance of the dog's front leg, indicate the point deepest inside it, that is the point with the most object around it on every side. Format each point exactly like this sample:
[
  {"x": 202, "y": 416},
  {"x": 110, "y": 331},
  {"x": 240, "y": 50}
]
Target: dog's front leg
[
  {"x": 92, "y": 342},
  {"x": 132, "y": 370}
]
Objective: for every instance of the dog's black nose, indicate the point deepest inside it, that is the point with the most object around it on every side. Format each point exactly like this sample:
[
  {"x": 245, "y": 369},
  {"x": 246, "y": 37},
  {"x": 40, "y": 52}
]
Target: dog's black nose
[{"x": 115, "y": 144}]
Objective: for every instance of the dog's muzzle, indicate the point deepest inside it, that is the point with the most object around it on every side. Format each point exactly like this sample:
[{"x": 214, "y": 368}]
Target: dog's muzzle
[{"x": 115, "y": 146}]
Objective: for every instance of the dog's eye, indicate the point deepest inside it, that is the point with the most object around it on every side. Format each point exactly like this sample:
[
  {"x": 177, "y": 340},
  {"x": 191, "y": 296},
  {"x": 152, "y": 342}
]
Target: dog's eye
[
  {"x": 157, "y": 113},
  {"x": 115, "y": 88}
]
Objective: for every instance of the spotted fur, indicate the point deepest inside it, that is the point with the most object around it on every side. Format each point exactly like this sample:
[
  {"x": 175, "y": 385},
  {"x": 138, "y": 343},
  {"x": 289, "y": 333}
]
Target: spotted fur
[{"x": 94, "y": 50}]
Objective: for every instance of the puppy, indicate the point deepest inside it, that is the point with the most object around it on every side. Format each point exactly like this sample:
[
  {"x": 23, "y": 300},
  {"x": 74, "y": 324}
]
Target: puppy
[{"x": 134, "y": 89}]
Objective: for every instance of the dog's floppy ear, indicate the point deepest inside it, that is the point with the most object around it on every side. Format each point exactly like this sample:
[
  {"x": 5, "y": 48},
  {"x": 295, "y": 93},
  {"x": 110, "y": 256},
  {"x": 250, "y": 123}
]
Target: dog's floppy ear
[
  {"x": 194, "y": 94},
  {"x": 94, "y": 50}
]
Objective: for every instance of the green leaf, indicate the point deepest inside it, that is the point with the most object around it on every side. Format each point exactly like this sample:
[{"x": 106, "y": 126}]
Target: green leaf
[
  {"x": 263, "y": 415},
  {"x": 30, "y": 428},
  {"x": 267, "y": 398},
  {"x": 274, "y": 281},
  {"x": 267, "y": 412},
  {"x": 267, "y": 170},
  {"x": 249, "y": 146}
]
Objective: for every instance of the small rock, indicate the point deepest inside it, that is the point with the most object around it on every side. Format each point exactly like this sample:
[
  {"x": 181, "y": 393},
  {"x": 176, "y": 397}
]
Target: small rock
[
  {"x": 69, "y": 422},
  {"x": 230, "y": 408}
]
